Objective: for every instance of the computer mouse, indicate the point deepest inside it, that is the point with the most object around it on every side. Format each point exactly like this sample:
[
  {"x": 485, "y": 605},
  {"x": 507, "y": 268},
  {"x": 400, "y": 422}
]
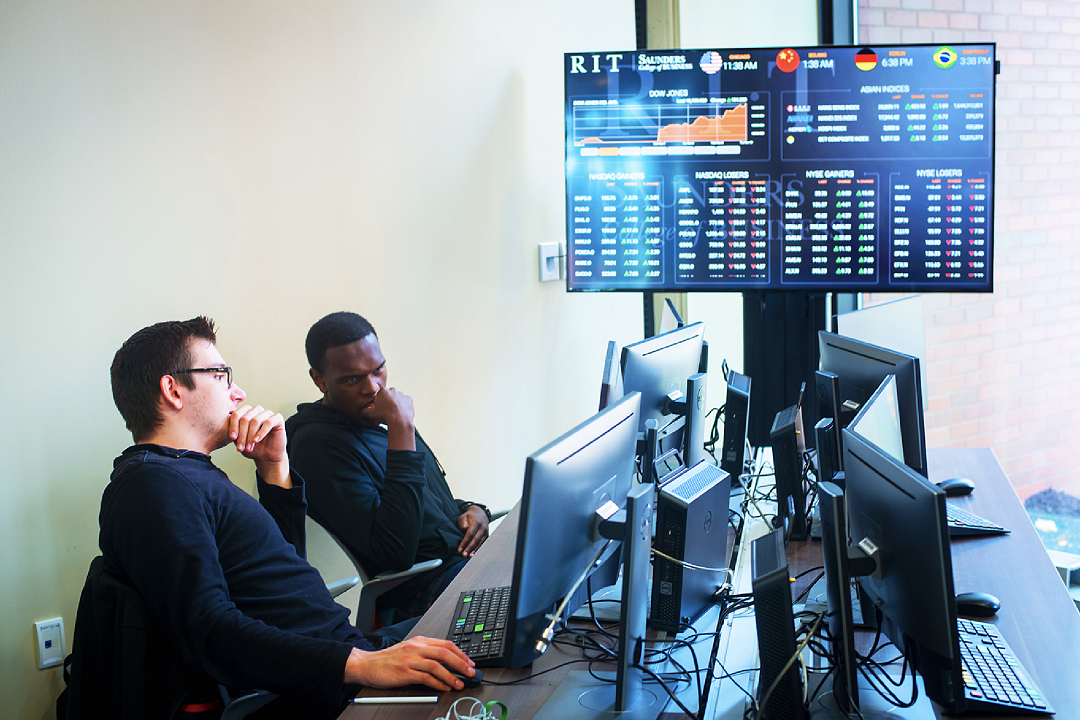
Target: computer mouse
[
  {"x": 957, "y": 486},
  {"x": 977, "y": 604},
  {"x": 470, "y": 682}
]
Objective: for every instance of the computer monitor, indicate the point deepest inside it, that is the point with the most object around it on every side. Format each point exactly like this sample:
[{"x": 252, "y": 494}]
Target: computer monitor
[
  {"x": 878, "y": 420},
  {"x": 611, "y": 380},
  {"x": 861, "y": 367},
  {"x": 897, "y": 518},
  {"x": 578, "y": 506},
  {"x": 736, "y": 419},
  {"x": 826, "y": 396},
  {"x": 897, "y": 324},
  {"x": 566, "y": 482},
  {"x": 670, "y": 319},
  {"x": 789, "y": 448},
  {"x": 662, "y": 365},
  {"x": 816, "y": 169},
  {"x": 828, "y": 460},
  {"x": 834, "y": 550}
]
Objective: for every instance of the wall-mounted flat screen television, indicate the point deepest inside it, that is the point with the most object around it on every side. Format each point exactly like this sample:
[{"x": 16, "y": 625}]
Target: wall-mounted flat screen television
[{"x": 844, "y": 169}]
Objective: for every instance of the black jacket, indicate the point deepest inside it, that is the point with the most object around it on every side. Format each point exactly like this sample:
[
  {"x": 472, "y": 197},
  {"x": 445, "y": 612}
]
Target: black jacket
[
  {"x": 123, "y": 665},
  {"x": 391, "y": 508}
]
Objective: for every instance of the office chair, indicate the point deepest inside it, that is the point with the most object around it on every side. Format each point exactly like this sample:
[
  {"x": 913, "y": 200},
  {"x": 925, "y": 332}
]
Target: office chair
[
  {"x": 325, "y": 551},
  {"x": 123, "y": 666}
]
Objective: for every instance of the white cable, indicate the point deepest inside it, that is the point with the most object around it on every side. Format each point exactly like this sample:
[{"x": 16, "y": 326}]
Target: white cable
[
  {"x": 805, "y": 682},
  {"x": 545, "y": 638},
  {"x": 691, "y": 566},
  {"x": 476, "y": 712}
]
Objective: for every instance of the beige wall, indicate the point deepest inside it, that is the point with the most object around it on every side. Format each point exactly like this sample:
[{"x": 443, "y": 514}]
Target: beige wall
[{"x": 266, "y": 163}]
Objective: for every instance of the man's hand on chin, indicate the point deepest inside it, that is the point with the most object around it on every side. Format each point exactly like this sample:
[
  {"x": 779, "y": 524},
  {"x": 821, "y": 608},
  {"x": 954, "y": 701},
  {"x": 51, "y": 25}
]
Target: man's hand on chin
[
  {"x": 394, "y": 409},
  {"x": 259, "y": 434}
]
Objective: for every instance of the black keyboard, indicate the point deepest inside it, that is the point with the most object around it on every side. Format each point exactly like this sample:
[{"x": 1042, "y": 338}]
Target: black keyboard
[
  {"x": 993, "y": 678},
  {"x": 479, "y": 624},
  {"x": 961, "y": 523}
]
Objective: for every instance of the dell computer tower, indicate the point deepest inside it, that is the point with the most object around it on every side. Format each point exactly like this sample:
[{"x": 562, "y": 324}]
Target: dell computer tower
[
  {"x": 691, "y": 525},
  {"x": 771, "y": 586}
]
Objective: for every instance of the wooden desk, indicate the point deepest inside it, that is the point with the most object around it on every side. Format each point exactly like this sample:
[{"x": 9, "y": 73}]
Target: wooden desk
[
  {"x": 1037, "y": 617},
  {"x": 492, "y": 566}
]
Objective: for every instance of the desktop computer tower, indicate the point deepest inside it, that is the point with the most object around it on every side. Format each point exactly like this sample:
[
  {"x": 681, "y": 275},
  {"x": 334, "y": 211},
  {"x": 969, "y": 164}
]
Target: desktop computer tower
[
  {"x": 788, "y": 446},
  {"x": 736, "y": 415},
  {"x": 691, "y": 526},
  {"x": 775, "y": 621}
]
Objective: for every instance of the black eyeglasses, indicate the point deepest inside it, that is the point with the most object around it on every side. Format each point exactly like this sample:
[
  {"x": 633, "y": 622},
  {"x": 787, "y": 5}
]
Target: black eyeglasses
[{"x": 227, "y": 370}]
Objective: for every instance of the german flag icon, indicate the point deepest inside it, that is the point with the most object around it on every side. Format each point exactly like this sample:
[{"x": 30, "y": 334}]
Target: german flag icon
[{"x": 866, "y": 59}]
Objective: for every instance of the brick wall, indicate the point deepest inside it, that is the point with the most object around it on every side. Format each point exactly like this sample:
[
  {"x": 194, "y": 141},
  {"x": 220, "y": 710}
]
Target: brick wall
[{"x": 1001, "y": 367}]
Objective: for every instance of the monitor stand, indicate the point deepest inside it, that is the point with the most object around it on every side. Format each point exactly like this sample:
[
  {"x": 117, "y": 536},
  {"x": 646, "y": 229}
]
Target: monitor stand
[
  {"x": 607, "y": 602},
  {"x": 871, "y": 705},
  {"x": 581, "y": 696}
]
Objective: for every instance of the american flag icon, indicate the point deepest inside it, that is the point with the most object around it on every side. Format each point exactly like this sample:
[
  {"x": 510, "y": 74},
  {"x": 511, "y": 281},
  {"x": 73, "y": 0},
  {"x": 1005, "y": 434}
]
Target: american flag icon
[{"x": 711, "y": 62}]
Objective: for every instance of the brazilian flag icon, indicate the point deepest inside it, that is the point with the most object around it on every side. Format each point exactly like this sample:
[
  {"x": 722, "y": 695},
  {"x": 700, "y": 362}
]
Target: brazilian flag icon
[{"x": 945, "y": 57}]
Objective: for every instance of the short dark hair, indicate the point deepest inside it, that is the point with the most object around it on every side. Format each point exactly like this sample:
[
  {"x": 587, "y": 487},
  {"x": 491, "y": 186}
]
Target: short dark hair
[
  {"x": 142, "y": 361},
  {"x": 340, "y": 328}
]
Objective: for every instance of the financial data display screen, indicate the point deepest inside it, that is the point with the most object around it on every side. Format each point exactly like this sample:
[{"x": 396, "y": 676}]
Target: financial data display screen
[{"x": 806, "y": 168}]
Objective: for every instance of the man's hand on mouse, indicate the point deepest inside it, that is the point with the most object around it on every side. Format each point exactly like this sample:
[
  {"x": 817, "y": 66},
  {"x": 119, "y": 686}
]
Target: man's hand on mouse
[{"x": 416, "y": 661}]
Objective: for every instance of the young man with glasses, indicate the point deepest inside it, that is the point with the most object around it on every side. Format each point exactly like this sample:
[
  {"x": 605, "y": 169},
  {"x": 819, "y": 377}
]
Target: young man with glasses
[{"x": 223, "y": 573}]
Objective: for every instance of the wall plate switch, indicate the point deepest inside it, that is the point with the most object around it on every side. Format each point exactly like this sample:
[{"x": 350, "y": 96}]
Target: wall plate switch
[
  {"x": 50, "y": 641},
  {"x": 551, "y": 261}
]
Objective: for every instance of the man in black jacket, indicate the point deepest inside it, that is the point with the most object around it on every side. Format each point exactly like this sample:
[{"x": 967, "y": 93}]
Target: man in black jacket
[
  {"x": 224, "y": 575},
  {"x": 372, "y": 481}
]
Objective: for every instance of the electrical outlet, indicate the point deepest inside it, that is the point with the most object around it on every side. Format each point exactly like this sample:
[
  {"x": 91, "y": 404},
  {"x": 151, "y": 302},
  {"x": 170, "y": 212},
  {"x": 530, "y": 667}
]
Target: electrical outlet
[{"x": 50, "y": 641}]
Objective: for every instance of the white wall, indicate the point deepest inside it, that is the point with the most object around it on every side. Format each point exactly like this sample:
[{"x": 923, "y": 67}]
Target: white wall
[
  {"x": 762, "y": 23},
  {"x": 715, "y": 23},
  {"x": 266, "y": 163}
]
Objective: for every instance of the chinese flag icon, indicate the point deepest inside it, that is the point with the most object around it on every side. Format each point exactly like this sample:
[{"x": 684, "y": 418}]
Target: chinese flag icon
[{"x": 787, "y": 60}]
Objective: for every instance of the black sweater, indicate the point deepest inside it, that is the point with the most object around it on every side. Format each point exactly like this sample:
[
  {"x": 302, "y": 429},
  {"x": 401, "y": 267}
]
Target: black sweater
[{"x": 225, "y": 576}]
